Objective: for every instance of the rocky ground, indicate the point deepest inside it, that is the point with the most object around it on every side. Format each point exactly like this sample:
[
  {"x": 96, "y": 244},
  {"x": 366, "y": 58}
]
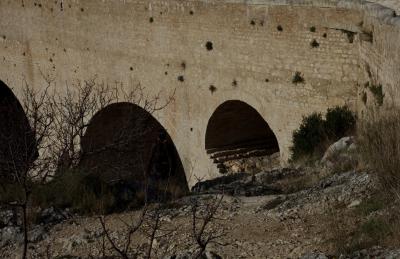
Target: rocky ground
[
  {"x": 282, "y": 213},
  {"x": 394, "y": 4}
]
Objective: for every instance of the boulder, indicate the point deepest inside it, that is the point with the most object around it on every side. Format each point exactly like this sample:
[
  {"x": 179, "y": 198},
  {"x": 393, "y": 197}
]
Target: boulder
[
  {"x": 341, "y": 155},
  {"x": 9, "y": 235}
]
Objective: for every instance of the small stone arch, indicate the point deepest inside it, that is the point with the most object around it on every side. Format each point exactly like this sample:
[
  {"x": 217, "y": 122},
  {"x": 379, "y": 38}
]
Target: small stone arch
[
  {"x": 236, "y": 130},
  {"x": 17, "y": 141},
  {"x": 124, "y": 142}
]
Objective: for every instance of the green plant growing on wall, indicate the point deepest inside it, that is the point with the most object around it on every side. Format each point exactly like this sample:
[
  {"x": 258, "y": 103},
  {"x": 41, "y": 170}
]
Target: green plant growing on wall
[
  {"x": 297, "y": 78},
  {"x": 314, "y": 44},
  {"x": 212, "y": 89},
  {"x": 234, "y": 83}
]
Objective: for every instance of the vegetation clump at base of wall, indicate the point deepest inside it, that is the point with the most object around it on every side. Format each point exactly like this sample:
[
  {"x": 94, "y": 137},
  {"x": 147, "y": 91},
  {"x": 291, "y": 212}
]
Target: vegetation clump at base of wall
[{"x": 316, "y": 132}]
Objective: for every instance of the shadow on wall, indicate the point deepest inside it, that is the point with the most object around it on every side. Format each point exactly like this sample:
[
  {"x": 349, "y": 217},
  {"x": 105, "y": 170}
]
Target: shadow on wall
[
  {"x": 125, "y": 143},
  {"x": 17, "y": 141},
  {"x": 236, "y": 130}
]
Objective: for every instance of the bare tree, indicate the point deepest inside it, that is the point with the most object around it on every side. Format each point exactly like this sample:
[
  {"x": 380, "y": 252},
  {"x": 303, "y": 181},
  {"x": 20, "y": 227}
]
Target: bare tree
[
  {"x": 27, "y": 159},
  {"x": 203, "y": 216},
  {"x": 57, "y": 122}
]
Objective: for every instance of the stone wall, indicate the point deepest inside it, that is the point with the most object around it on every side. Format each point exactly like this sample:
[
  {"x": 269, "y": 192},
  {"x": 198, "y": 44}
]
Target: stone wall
[{"x": 257, "y": 48}]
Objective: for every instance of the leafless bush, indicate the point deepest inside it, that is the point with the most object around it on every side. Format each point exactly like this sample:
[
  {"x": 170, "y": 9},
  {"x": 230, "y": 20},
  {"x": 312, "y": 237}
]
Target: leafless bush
[
  {"x": 57, "y": 123},
  {"x": 203, "y": 218},
  {"x": 27, "y": 160}
]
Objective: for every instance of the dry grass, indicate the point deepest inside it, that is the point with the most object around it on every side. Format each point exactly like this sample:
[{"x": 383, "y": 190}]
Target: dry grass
[
  {"x": 376, "y": 220},
  {"x": 379, "y": 143}
]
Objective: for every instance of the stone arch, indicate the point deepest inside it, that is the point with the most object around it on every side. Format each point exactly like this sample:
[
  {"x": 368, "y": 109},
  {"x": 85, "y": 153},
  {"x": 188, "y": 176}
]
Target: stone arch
[
  {"x": 17, "y": 141},
  {"x": 236, "y": 130},
  {"x": 124, "y": 142}
]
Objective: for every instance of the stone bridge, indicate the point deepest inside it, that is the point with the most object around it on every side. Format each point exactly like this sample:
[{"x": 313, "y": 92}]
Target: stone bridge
[{"x": 243, "y": 72}]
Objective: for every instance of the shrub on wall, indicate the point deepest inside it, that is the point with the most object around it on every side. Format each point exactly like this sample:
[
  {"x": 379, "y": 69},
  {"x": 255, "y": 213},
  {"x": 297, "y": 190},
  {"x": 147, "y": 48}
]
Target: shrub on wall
[
  {"x": 297, "y": 78},
  {"x": 316, "y": 133}
]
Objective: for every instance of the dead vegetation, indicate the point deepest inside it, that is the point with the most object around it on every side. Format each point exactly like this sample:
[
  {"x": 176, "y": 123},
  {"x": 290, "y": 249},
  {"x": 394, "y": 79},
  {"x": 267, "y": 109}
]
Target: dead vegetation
[{"x": 58, "y": 121}]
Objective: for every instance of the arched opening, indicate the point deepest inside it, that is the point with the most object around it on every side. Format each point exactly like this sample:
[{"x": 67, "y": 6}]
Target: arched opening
[
  {"x": 17, "y": 141},
  {"x": 125, "y": 145},
  {"x": 237, "y": 131}
]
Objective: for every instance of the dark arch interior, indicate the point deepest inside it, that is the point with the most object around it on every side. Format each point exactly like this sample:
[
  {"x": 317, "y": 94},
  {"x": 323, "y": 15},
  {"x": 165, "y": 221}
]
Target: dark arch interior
[
  {"x": 17, "y": 149},
  {"x": 237, "y": 130},
  {"x": 125, "y": 143}
]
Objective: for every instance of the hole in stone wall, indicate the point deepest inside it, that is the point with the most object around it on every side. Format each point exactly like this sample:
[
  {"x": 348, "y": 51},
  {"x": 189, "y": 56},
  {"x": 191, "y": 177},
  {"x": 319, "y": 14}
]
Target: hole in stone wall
[
  {"x": 183, "y": 65},
  {"x": 181, "y": 78},
  {"x": 236, "y": 130},
  {"x": 151, "y": 19},
  {"x": 191, "y": 12},
  {"x": 252, "y": 22},
  {"x": 279, "y": 28},
  {"x": 324, "y": 35},
  {"x": 141, "y": 150},
  {"x": 209, "y": 46},
  {"x": 313, "y": 29},
  {"x": 349, "y": 34}
]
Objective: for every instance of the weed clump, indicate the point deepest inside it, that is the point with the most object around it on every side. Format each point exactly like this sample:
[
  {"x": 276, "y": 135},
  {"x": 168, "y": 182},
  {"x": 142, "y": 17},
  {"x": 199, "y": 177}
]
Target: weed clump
[
  {"x": 316, "y": 133},
  {"x": 297, "y": 78},
  {"x": 314, "y": 44}
]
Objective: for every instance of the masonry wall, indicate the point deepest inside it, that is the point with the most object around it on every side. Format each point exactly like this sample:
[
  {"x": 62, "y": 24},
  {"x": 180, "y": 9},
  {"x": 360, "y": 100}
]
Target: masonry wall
[
  {"x": 258, "y": 47},
  {"x": 381, "y": 57}
]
